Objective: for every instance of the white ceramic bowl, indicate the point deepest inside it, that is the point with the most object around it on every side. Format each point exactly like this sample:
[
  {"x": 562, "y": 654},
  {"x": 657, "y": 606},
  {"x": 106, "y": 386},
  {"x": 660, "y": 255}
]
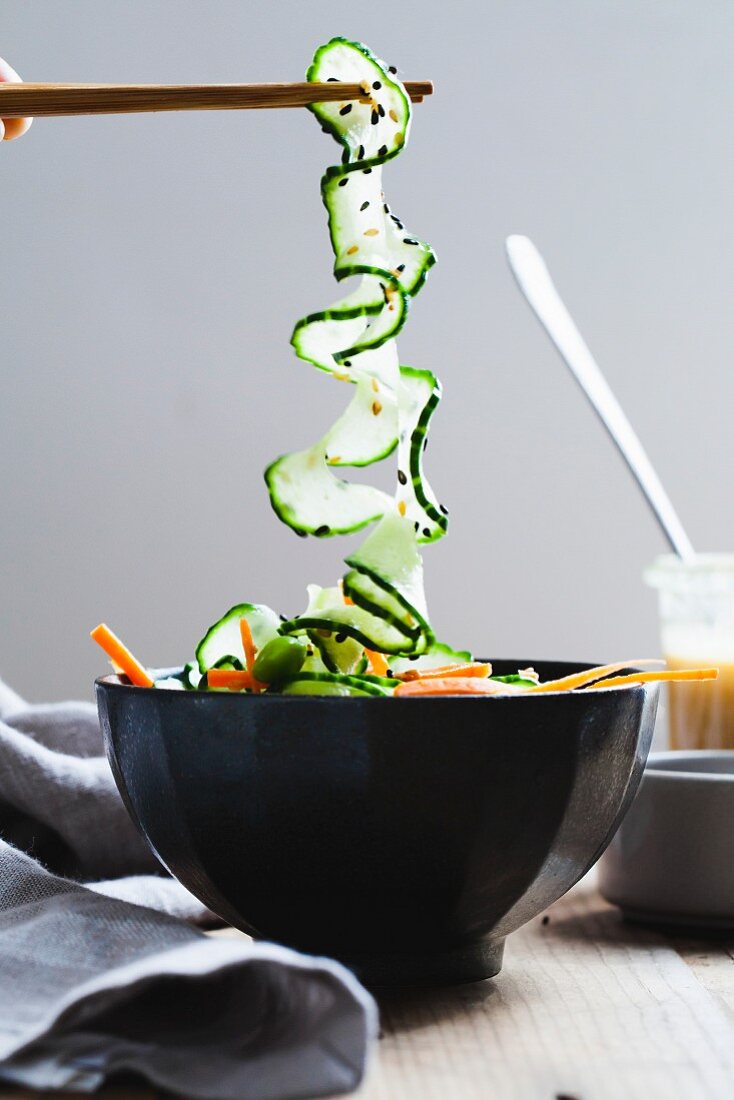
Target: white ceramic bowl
[{"x": 672, "y": 860}]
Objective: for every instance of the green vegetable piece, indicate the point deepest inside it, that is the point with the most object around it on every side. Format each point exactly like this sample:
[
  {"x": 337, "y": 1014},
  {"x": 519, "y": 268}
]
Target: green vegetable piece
[{"x": 277, "y": 660}]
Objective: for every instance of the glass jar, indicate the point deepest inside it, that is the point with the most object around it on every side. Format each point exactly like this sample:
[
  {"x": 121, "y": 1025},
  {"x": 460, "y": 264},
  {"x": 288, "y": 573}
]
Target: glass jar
[{"x": 696, "y": 605}]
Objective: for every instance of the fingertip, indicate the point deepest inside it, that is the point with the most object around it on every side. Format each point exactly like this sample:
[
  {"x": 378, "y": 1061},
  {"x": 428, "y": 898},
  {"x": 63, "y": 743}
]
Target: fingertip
[
  {"x": 15, "y": 127},
  {"x": 8, "y": 74}
]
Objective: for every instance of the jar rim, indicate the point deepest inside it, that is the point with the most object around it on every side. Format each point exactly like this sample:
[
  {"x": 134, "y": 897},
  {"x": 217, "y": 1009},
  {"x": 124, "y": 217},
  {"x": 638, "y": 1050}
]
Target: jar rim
[{"x": 670, "y": 571}]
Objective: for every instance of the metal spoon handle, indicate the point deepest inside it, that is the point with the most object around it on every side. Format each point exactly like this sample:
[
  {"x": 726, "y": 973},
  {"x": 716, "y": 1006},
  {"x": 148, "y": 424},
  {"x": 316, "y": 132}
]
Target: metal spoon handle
[{"x": 536, "y": 284}]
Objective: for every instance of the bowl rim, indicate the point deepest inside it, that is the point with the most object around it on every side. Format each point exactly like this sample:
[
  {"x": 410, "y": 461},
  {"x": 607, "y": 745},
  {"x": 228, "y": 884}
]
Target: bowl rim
[
  {"x": 656, "y": 769},
  {"x": 113, "y": 681}
]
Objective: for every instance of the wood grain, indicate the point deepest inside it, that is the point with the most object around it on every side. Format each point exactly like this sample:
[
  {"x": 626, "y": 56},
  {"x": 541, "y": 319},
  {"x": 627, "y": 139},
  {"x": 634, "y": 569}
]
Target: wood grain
[
  {"x": 586, "y": 1008},
  {"x": 39, "y": 100}
]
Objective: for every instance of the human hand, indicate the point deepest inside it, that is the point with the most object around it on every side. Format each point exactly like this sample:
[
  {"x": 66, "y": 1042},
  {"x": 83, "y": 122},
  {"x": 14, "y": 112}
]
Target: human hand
[{"x": 11, "y": 127}]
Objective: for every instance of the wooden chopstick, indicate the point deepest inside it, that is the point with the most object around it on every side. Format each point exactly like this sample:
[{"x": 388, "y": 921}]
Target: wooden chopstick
[{"x": 39, "y": 100}]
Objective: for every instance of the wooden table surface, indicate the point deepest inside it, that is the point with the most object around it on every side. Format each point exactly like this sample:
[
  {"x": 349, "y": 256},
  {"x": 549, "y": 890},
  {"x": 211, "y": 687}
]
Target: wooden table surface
[{"x": 586, "y": 1007}]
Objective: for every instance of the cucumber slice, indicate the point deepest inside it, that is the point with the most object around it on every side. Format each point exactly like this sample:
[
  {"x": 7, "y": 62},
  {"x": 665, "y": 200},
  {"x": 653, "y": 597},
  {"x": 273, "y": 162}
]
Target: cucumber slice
[
  {"x": 308, "y": 498},
  {"x": 436, "y": 655},
  {"x": 327, "y": 611},
  {"x": 223, "y": 641},
  {"x": 387, "y": 573},
  {"x": 169, "y": 683},
  {"x": 420, "y": 393},
  {"x": 513, "y": 678},
  {"x": 339, "y": 652},
  {"x": 354, "y": 340},
  {"x": 356, "y": 206},
  {"x": 191, "y": 676},
  {"x": 360, "y": 436},
  {"x": 360, "y": 322},
  {"x": 366, "y": 128},
  {"x": 330, "y": 683}
]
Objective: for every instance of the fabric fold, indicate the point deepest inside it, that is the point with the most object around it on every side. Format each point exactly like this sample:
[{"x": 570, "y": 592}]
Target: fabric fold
[{"x": 104, "y": 978}]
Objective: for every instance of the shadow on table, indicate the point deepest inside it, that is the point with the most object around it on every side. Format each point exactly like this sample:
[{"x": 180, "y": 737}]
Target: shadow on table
[{"x": 587, "y": 922}]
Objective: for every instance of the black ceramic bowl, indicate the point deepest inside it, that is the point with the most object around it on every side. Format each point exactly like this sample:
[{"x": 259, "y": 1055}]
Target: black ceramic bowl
[{"x": 406, "y": 837}]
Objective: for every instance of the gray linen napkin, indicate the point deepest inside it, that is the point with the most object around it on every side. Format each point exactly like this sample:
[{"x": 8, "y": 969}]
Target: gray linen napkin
[{"x": 103, "y": 978}]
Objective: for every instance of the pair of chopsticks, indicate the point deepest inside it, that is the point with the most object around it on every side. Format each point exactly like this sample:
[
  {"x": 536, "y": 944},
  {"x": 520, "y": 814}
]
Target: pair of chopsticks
[{"x": 39, "y": 100}]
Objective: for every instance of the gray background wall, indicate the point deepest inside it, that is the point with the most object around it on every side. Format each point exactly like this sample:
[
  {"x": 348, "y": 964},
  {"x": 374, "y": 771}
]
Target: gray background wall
[{"x": 152, "y": 268}]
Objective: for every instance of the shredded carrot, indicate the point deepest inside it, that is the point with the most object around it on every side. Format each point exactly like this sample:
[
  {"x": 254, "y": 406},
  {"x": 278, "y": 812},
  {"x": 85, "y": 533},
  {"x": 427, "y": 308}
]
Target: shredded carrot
[
  {"x": 378, "y": 663},
  {"x": 581, "y": 679},
  {"x": 233, "y": 678},
  {"x": 121, "y": 656},
  {"x": 456, "y": 685},
  {"x": 247, "y": 644},
  {"x": 471, "y": 668},
  {"x": 675, "y": 675}
]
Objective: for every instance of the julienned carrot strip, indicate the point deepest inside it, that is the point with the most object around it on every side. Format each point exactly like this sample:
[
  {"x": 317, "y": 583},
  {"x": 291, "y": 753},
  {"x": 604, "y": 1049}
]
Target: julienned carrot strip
[
  {"x": 122, "y": 656},
  {"x": 580, "y": 679},
  {"x": 247, "y": 644},
  {"x": 471, "y": 668},
  {"x": 233, "y": 678},
  {"x": 676, "y": 675},
  {"x": 378, "y": 663},
  {"x": 456, "y": 685}
]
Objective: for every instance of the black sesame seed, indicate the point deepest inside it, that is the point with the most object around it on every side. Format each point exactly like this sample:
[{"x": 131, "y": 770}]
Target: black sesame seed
[
  {"x": 347, "y": 363},
  {"x": 386, "y": 208},
  {"x": 324, "y": 529},
  {"x": 390, "y": 674},
  {"x": 392, "y": 70},
  {"x": 444, "y": 510},
  {"x": 425, "y": 443},
  {"x": 344, "y": 182},
  {"x": 377, "y": 85},
  {"x": 346, "y": 109},
  {"x": 301, "y": 534},
  {"x": 340, "y": 638},
  {"x": 284, "y": 618},
  {"x": 416, "y": 525},
  {"x": 374, "y": 118},
  {"x": 414, "y": 657},
  {"x": 402, "y": 478},
  {"x": 381, "y": 110},
  {"x": 335, "y": 79},
  {"x": 360, "y": 153},
  {"x": 366, "y": 171},
  {"x": 382, "y": 151},
  {"x": 409, "y": 240},
  {"x": 364, "y": 205},
  {"x": 400, "y": 267},
  {"x": 427, "y": 532}
]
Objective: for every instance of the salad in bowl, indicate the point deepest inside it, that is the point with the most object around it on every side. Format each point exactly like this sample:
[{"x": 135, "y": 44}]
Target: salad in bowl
[
  {"x": 370, "y": 634},
  {"x": 342, "y": 780}
]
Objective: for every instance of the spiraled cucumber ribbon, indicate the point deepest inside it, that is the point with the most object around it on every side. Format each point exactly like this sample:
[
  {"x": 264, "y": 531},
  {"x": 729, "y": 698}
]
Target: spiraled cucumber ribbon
[
  {"x": 354, "y": 341},
  {"x": 380, "y": 604}
]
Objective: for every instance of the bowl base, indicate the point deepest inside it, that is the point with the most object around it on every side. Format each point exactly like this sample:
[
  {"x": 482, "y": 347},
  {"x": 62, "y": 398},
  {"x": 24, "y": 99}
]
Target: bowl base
[{"x": 469, "y": 963}]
